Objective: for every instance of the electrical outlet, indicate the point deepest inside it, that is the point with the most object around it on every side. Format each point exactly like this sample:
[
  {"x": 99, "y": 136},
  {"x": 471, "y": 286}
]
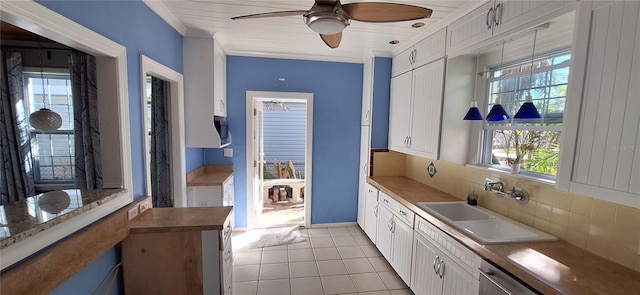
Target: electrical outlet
[
  {"x": 133, "y": 212},
  {"x": 228, "y": 153},
  {"x": 145, "y": 205}
]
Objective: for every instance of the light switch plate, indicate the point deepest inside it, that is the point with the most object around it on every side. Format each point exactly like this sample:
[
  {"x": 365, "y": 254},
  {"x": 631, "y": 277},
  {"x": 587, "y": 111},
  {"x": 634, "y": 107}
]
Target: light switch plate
[
  {"x": 228, "y": 153},
  {"x": 145, "y": 205}
]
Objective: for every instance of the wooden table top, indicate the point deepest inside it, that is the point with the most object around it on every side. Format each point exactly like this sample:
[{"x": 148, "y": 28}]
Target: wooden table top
[{"x": 181, "y": 219}]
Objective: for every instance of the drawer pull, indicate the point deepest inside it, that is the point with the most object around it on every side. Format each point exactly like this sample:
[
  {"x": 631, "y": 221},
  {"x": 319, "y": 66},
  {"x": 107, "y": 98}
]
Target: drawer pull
[
  {"x": 386, "y": 201},
  {"x": 403, "y": 213}
]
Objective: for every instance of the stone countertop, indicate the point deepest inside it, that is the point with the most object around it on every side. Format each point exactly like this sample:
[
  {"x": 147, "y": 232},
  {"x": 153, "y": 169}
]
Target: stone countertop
[
  {"x": 209, "y": 175},
  {"x": 549, "y": 267},
  {"x": 24, "y": 219},
  {"x": 156, "y": 220}
]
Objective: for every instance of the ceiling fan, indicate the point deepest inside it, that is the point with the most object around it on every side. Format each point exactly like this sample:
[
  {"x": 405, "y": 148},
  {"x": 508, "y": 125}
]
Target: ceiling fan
[{"x": 329, "y": 17}]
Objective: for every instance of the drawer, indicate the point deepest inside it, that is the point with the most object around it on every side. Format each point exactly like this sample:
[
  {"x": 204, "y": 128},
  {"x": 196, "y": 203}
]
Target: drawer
[
  {"x": 225, "y": 233},
  {"x": 372, "y": 190},
  {"x": 397, "y": 209},
  {"x": 461, "y": 254}
]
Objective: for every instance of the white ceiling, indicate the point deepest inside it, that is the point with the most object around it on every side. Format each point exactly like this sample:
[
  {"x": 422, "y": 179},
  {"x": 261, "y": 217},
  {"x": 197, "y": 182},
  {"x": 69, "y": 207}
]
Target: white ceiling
[{"x": 289, "y": 37}]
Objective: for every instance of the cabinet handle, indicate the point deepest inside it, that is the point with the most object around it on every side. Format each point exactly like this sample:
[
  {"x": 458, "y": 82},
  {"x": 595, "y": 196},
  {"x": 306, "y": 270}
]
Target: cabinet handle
[
  {"x": 441, "y": 269},
  {"x": 371, "y": 191},
  {"x": 435, "y": 261},
  {"x": 366, "y": 116},
  {"x": 411, "y": 57},
  {"x": 227, "y": 230},
  {"x": 389, "y": 224},
  {"x": 393, "y": 226},
  {"x": 403, "y": 213},
  {"x": 386, "y": 201},
  {"x": 375, "y": 211},
  {"x": 487, "y": 18},
  {"x": 228, "y": 256},
  {"x": 409, "y": 141},
  {"x": 415, "y": 55},
  {"x": 496, "y": 19}
]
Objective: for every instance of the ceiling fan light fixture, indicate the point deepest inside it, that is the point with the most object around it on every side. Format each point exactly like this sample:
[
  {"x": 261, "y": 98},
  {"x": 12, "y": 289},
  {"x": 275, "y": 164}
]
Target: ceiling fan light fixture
[{"x": 327, "y": 23}]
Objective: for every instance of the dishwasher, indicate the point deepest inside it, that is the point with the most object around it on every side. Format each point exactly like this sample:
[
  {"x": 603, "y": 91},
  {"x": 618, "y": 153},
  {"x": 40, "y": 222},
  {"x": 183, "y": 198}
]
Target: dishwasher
[{"x": 496, "y": 281}]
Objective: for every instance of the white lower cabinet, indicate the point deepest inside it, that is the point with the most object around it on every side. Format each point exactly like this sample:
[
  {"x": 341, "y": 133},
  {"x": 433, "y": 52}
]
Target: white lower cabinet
[
  {"x": 395, "y": 235},
  {"x": 371, "y": 211},
  {"x": 441, "y": 265}
]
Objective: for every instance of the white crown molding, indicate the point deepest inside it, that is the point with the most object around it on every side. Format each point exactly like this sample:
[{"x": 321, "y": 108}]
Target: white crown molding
[
  {"x": 311, "y": 57},
  {"x": 166, "y": 15}
]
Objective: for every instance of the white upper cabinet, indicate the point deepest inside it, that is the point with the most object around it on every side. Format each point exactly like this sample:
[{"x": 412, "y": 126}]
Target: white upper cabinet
[
  {"x": 600, "y": 155},
  {"x": 204, "y": 67},
  {"x": 423, "y": 52},
  {"x": 367, "y": 91},
  {"x": 416, "y": 109},
  {"x": 498, "y": 19}
]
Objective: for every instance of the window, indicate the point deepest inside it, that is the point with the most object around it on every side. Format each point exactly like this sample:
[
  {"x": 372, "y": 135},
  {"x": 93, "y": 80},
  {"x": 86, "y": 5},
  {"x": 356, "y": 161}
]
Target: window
[
  {"x": 535, "y": 142},
  {"x": 52, "y": 152}
]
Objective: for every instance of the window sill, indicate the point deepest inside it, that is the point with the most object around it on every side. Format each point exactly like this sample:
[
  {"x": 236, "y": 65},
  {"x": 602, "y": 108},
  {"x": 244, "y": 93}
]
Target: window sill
[{"x": 519, "y": 176}]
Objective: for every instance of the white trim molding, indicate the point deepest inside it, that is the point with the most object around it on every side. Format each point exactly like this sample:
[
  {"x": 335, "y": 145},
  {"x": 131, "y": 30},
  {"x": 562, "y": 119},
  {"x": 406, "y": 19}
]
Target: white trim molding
[
  {"x": 176, "y": 105},
  {"x": 111, "y": 60},
  {"x": 166, "y": 15}
]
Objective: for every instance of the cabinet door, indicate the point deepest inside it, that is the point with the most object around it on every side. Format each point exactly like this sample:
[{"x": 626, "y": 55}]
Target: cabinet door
[
  {"x": 363, "y": 173},
  {"x": 424, "y": 278},
  {"x": 228, "y": 198},
  {"x": 457, "y": 280},
  {"x": 402, "y": 62},
  {"x": 509, "y": 14},
  {"x": 430, "y": 48},
  {"x": 371, "y": 213},
  {"x": 428, "y": 84},
  {"x": 367, "y": 91},
  {"x": 470, "y": 29},
  {"x": 399, "y": 110},
  {"x": 219, "y": 81},
  {"x": 606, "y": 157},
  {"x": 384, "y": 237},
  {"x": 402, "y": 248}
]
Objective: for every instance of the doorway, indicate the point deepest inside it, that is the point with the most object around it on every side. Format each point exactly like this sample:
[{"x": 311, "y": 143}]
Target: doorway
[
  {"x": 279, "y": 149},
  {"x": 176, "y": 121}
]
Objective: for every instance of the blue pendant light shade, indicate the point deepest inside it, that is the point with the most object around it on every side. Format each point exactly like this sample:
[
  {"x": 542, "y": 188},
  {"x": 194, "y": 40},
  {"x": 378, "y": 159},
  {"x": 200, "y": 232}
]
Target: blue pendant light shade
[
  {"x": 527, "y": 110},
  {"x": 473, "y": 114},
  {"x": 497, "y": 113}
]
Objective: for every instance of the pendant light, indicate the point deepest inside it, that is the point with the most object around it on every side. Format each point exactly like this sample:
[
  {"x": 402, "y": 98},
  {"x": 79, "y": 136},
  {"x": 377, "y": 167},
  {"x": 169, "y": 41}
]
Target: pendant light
[
  {"x": 528, "y": 109},
  {"x": 474, "y": 114},
  {"x": 497, "y": 112},
  {"x": 44, "y": 119}
]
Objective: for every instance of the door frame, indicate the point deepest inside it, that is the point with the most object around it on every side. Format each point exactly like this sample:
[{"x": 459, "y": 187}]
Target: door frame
[
  {"x": 251, "y": 97},
  {"x": 176, "y": 108}
]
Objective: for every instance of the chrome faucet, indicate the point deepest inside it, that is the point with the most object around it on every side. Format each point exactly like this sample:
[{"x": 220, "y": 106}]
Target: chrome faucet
[
  {"x": 494, "y": 186},
  {"x": 519, "y": 194}
]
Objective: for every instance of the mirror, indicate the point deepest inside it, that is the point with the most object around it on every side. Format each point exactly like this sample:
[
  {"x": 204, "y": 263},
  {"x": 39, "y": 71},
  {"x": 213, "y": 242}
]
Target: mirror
[{"x": 114, "y": 125}]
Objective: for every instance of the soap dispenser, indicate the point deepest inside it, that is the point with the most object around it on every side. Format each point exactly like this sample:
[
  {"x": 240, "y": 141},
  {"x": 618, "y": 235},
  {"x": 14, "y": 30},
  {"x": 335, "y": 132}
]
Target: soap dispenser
[{"x": 472, "y": 198}]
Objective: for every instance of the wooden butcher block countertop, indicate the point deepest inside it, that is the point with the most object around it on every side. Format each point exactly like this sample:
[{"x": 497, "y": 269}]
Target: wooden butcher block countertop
[
  {"x": 156, "y": 220},
  {"x": 549, "y": 267},
  {"x": 209, "y": 175}
]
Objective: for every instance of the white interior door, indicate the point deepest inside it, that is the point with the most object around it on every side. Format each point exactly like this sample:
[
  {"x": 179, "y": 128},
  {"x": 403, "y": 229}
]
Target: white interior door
[{"x": 258, "y": 150}]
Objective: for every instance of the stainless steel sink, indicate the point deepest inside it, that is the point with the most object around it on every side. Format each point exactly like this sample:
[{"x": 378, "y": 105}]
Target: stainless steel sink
[{"x": 483, "y": 225}]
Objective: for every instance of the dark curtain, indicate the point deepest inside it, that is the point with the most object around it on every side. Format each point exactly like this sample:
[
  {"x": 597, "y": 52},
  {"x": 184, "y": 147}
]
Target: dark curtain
[
  {"x": 88, "y": 155},
  {"x": 16, "y": 179},
  {"x": 160, "y": 144}
]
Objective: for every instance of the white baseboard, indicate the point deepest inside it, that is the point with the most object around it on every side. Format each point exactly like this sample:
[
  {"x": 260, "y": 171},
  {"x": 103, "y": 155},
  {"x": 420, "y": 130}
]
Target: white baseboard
[{"x": 337, "y": 224}]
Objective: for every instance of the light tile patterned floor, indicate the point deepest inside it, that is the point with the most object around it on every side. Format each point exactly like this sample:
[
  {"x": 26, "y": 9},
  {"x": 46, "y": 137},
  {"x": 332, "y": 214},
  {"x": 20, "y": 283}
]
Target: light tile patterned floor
[{"x": 337, "y": 260}]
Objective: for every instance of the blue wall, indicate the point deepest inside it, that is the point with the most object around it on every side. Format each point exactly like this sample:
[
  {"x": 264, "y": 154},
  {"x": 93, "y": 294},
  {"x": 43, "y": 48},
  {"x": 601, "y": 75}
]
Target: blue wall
[
  {"x": 135, "y": 26},
  {"x": 337, "y": 89},
  {"x": 381, "y": 97}
]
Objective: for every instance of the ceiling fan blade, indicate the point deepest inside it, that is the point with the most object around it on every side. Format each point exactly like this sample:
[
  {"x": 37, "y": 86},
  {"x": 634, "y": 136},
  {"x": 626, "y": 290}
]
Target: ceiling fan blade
[
  {"x": 378, "y": 12},
  {"x": 326, "y": 2},
  {"x": 273, "y": 14},
  {"x": 332, "y": 40}
]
